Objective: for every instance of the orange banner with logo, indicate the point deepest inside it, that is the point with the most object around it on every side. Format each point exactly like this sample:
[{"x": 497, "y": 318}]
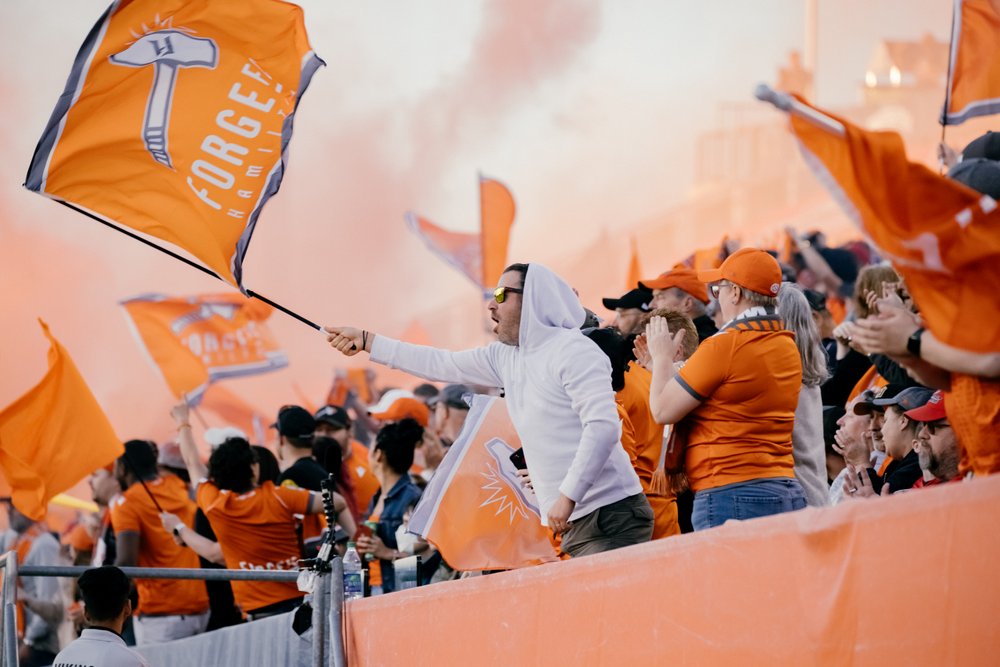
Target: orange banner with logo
[
  {"x": 176, "y": 119},
  {"x": 196, "y": 340},
  {"x": 940, "y": 235},
  {"x": 475, "y": 510},
  {"x": 54, "y": 435},
  {"x": 974, "y": 70},
  {"x": 906, "y": 580},
  {"x": 480, "y": 257}
]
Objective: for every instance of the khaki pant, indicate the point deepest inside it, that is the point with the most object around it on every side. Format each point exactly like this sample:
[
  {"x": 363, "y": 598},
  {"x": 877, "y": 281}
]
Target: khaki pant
[
  {"x": 159, "y": 629},
  {"x": 620, "y": 524}
]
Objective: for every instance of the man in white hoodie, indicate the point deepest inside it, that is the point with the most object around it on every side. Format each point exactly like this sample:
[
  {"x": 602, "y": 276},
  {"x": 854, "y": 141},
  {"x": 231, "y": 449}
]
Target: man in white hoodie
[{"x": 557, "y": 385}]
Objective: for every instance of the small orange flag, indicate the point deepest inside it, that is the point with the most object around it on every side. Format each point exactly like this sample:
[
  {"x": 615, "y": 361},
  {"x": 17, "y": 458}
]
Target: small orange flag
[
  {"x": 940, "y": 235},
  {"x": 974, "y": 72},
  {"x": 176, "y": 119},
  {"x": 497, "y": 210},
  {"x": 54, "y": 435},
  {"x": 481, "y": 257},
  {"x": 475, "y": 510},
  {"x": 634, "y": 268},
  {"x": 200, "y": 339}
]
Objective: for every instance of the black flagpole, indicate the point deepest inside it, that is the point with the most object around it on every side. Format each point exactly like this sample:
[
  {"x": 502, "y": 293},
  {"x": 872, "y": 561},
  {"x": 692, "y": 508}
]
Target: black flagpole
[{"x": 250, "y": 293}]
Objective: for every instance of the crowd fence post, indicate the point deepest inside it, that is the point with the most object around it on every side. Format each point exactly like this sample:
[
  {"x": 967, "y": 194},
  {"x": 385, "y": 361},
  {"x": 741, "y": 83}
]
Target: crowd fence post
[{"x": 338, "y": 657}]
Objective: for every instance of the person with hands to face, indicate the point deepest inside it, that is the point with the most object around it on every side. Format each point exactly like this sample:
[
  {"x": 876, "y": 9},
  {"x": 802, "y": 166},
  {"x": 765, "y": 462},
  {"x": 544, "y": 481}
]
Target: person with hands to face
[
  {"x": 558, "y": 391},
  {"x": 736, "y": 395}
]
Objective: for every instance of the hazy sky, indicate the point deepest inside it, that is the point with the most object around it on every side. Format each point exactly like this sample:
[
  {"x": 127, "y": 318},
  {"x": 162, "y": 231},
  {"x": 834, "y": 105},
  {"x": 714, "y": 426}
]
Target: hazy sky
[{"x": 588, "y": 110}]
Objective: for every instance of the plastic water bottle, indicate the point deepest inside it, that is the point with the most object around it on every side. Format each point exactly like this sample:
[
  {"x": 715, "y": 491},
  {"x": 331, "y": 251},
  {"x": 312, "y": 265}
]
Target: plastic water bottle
[{"x": 354, "y": 585}]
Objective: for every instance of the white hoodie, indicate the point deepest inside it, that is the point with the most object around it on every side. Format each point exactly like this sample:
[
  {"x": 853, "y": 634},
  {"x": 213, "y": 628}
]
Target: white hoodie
[{"x": 557, "y": 384}]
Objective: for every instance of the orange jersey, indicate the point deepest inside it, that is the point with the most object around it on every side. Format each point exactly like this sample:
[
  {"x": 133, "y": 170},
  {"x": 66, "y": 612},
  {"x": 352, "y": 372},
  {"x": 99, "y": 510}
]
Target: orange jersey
[
  {"x": 134, "y": 512},
  {"x": 973, "y": 406},
  {"x": 747, "y": 378},
  {"x": 256, "y": 531},
  {"x": 647, "y": 435},
  {"x": 365, "y": 484},
  {"x": 664, "y": 507}
]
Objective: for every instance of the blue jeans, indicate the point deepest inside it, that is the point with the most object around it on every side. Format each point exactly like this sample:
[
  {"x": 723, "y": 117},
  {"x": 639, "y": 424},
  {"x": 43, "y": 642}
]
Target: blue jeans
[{"x": 746, "y": 500}]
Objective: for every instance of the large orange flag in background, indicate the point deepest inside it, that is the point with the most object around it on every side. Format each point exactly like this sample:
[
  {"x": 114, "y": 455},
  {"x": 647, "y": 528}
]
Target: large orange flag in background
[
  {"x": 475, "y": 511},
  {"x": 480, "y": 257},
  {"x": 54, "y": 435},
  {"x": 943, "y": 237},
  {"x": 974, "y": 73},
  {"x": 200, "y": 339},
  {"x": 176, "y": 119}
]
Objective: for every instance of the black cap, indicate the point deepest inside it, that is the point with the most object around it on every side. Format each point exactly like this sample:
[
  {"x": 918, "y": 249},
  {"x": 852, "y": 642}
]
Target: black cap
[
  {"x": 637, "y": 298},
  {"x": 294, "y": 422},
  {"x": 868, "y": 402},
  {"x": 980, "y": 174},
  {"x": 986, "y": 146},
  {"x": 452, "y": 396},
  {"x": 910, "y": 398},
  {"x": 816, "y": 300},
  {"x": 334, "y": 415}
]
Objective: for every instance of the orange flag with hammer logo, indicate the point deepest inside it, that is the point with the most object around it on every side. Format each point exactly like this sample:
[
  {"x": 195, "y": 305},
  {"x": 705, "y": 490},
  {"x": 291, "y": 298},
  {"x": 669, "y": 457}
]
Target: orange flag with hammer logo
[
  {"x": 943, "y": 237},
  {"x": 176, "y": 119},
  {"x": 974, "y": 68},
  {"x": 196, "y": 340},
  {"x": 54, "y": 435},
  {"x": 475, "y": 510}
]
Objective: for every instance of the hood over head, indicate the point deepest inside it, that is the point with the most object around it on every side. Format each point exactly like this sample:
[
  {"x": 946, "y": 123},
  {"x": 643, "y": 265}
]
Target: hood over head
[{"x": 548, "y": 306}]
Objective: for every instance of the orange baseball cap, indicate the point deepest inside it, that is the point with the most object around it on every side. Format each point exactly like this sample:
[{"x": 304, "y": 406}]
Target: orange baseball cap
[
  {"x": 750, "y": 268},
  {"x": 681, "y": 278},
  {"x": 405, "y": 407}
]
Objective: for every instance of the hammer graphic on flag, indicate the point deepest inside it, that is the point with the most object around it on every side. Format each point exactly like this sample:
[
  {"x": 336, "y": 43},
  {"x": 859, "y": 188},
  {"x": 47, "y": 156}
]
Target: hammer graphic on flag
[{"x": 167, "y": 51}]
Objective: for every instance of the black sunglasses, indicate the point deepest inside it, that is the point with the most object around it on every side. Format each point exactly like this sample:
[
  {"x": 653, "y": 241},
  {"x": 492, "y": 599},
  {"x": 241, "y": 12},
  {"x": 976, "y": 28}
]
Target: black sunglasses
[
  {"x": 500, "y": 293},
  {"x": 936, "y": 426}
]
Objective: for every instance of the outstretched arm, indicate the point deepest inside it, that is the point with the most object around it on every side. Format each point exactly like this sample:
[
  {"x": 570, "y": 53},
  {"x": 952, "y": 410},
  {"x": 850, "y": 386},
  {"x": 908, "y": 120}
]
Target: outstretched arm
[
  {"x": 475, "y": 366},
  {"x": 185, "y": 438}
]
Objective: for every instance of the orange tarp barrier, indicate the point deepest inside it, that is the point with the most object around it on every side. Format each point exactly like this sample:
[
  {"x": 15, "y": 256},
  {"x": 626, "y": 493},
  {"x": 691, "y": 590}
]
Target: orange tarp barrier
[{"x": 908, "y": 579}]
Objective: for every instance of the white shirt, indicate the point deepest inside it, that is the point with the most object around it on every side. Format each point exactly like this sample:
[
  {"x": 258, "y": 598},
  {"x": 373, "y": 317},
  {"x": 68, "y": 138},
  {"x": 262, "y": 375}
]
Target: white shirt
[
  {"x": 557, "y": 386},
  {"x": 98, "y": 647}
]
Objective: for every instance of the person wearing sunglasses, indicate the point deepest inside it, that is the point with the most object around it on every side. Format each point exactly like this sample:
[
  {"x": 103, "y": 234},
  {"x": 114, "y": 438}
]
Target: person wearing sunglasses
[
  {"x": 936, "y": 444},
  {"x": 557, "y": 385}
]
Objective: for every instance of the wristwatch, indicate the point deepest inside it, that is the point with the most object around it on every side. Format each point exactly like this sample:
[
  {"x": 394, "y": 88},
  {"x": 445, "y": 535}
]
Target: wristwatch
[{"x": 913, "y": 343}]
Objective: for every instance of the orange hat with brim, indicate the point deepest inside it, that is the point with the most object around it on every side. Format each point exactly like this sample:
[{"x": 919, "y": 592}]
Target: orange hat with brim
[
  {"x": 750, "y": 268},
  {"x": 403, "y": 408},
  {"x": 681, "y": 278}
]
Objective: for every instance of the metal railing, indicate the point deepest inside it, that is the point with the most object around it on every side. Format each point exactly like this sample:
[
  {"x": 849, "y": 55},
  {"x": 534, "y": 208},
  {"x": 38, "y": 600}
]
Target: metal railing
[{"x": 327, "y": 600}]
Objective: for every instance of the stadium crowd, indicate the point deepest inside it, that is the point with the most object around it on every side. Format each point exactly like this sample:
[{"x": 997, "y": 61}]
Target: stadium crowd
[{"x": 768, "y": 381}]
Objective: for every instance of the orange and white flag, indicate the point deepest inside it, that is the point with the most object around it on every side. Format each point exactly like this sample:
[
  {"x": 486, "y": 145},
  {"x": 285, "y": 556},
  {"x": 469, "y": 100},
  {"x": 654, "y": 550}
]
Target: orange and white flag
[
  {"x": 54, "y": 435},
  {"x": 480, "y": 257},
  {"x": 196, "y": 340},
  {"x": 176, "y": 119},
  {"x": 974, "y": 68},
  {"x": 943, "y": 237},
  {"x": 475, "y": 510}
]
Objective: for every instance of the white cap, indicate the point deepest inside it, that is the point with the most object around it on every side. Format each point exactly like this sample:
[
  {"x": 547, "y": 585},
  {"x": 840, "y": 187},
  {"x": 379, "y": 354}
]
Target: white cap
[
  {"x": 388, "y": 398},
  {"x": 216, "y": 436}
]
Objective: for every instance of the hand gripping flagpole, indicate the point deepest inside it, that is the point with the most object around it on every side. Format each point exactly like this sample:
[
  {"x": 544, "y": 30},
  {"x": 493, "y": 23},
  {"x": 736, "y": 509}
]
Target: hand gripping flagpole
[{"x": 790, "y": 105}]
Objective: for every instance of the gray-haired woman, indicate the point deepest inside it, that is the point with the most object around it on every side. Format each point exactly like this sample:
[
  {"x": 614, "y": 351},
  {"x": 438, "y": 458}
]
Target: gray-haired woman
[{"x": 808, "y": 449}]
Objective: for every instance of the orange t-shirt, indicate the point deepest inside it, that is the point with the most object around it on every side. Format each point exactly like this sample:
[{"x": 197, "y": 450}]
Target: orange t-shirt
[
  {"x": 647, "y": 434},
  {"x": 256, "y": 531},
  {"x": 747, "y": 377},
  {"x": 374, "y": 565},
  {"x": 973, "y": 406},
  {"x": 134, "y": 512},
  {"x": 365, "y": 484},
  {"x": 664, "y": 507}
]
